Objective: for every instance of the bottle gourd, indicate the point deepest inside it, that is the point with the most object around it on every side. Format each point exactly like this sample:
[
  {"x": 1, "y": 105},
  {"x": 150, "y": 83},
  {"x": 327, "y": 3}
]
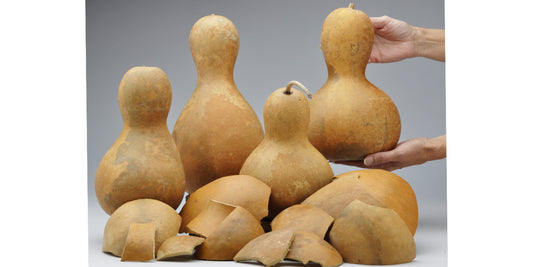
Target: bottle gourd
[
  {"x": 350, "y": 117},
  {"x": 217, "y": 129},
  {"x": 144, "y": 161},
  {"x": 285, "y": 160}
]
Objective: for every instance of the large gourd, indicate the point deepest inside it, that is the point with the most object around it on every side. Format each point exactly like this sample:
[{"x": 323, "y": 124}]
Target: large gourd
[
  {"x": 217, "y": 129},
  {"x": 350, "y": 117},
  {"x": 285, "y": 160},
  {"x": 144, "y": 161}
]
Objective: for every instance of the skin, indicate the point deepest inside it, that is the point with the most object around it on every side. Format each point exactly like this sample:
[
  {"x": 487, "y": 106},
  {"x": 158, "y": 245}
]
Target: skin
[{"x": 396, "y": 40}]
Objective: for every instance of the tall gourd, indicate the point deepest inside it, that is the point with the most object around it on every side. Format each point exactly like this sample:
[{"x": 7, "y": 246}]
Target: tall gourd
[
  {"x": 217, "y": 129},
  {"x": 350, "y": 117},
  {"x": 285, "y": 160},
  {"x": 144, "y": 161}
]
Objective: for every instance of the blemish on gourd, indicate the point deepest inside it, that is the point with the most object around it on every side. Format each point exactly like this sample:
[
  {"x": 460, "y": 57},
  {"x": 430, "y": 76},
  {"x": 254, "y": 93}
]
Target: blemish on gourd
[{"x": 230, "y": 35}]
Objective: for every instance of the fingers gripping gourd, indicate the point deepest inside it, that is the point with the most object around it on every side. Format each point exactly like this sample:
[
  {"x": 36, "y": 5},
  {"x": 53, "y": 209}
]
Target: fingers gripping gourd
[
  {"x": 217, "y": 129},
  {"x": 350, "y": 117},
  {"x": 285, "y": 159}
]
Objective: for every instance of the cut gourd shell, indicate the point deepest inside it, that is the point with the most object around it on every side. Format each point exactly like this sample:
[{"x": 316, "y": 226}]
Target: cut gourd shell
[
  {"x": 392, "y": 190},
  {"x": 308, "y": 247},
  {"x": 301, "y": 217},
  {"x": 178, "y": 246},
  {"x": 140, "y": 242},
  {"x": 167, "y": 222},
  {"x": 208, "y": 220},
  {"x": 334, "y": 197},
  {"x": 375, "y": 187},
  {"x": 238, "y": 190},
  {"x": 366, "y": 234},
  {"x": 268, "y": 249},
  {"x": 225, "y": 239}
]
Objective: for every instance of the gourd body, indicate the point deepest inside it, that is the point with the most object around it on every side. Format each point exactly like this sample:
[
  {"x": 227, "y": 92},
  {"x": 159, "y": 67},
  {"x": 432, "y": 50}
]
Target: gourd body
[
  {"x": 217, "y": 129},
  {"x": 350, "y": 117},
  {"x": 144, "y": 161},
  {"x": 285, "y": 160}
]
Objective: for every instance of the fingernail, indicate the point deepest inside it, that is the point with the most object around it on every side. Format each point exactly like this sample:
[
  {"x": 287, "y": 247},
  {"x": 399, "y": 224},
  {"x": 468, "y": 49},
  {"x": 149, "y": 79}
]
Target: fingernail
[{"x": 368, "y": 161}]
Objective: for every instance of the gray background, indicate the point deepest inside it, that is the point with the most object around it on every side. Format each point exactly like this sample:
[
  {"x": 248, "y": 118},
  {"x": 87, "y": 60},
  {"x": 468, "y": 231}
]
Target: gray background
[{"x": 279, "y": 42}]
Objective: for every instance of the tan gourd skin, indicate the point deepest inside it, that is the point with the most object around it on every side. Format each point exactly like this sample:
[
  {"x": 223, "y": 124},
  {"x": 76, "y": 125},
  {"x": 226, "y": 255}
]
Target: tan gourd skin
[
  {"x": 370, "y": 235},
  {"x": 217, "y": 129},
  {"x": 238, "y": 190},
  {"x": 285, "y": 160},
  {"x": 308, "y": 247},
  {"x": 167, "y": 222},
  {"x": 350, "y": 117},
  {"x": 391, "y": 190},
  {"x": 144, "y": 161},
  {"x": 375, "y": 187}
]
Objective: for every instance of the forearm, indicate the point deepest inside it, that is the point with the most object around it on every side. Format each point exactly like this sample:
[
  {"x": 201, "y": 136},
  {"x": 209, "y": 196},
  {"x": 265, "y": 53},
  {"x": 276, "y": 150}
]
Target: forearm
[
  {"x": 436, "y": 148},
  {"x": 430, "y": 43}
]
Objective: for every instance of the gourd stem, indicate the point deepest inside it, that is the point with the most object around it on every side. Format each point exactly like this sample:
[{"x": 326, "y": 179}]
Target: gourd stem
[
  {"x": 350, "y": 5},
  {"x": 291, "y": 83}
]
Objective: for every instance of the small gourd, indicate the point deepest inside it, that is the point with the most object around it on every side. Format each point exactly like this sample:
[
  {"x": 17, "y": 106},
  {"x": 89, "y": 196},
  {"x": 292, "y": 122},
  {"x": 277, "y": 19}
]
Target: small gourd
[
  {"x": 350, "y": 117},
  {"x": 144, "y": 161},
  {"x": 217, "y": 129},
  {"x": 285, "y": 160}
]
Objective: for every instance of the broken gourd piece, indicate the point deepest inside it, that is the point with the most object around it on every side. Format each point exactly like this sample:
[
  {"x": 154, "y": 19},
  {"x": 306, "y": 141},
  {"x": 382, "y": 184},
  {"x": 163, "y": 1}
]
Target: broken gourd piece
[
  {"x": 207, "y": 221},
  {"x": 391, "y": 190},
  {"x": 167, "y": 222},
  {"x": 301, "y": 217},
  {"x": 140, "y": 242},
  {"x": 179, "y": 245},
  {"x": 224, "y": 238},
  {"x": 308, "y": 247},
  {"x": 238, "y": 190},
  {"x": 268, "y": 249},
  {"x": 366, "y": 234},
  {"x": 334, "y": 197},
  {"x": 376, "y": 187}
]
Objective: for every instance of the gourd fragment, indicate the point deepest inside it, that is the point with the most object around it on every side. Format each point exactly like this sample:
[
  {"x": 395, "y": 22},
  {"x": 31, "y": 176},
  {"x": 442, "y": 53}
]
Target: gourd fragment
[
  {"x": 308, "y": 247},
  {"x": 301, "y": 217},
  {"x": 140, "y": 242},
  {"x": 167, "y": 222},
  {"x": 179, "y": 245},
  {"x": 366, "y": 234},
  {"x": 229, "y": 235},
  {"x": 238, "y": 190},
  {"x": 268, "y": 249}
]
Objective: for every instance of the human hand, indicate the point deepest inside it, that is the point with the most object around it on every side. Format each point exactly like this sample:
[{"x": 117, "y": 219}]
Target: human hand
[
  {"x": 410, "y": 152},
  {"x": 394, "y": 40}
]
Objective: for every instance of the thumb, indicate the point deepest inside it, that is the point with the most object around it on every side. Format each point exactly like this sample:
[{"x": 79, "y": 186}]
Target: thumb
[{"x": 379, "y": 22}]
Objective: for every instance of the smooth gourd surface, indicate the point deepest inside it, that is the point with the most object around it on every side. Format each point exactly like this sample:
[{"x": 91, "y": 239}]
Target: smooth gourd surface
[
  {"x": 350, "y": 117},
  {"x": 366, "y": 234},
  {"x": 166, "y": 218},
  {"x": 285, "y": 159},
  {"x": 217, "y": 129},
  {"x": 144, "y": 161}
]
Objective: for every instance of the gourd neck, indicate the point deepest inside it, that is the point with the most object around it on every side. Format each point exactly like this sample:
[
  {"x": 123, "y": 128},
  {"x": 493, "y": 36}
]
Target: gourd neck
[
  {"x": 286, "y": 134},
  {"x": 212, "y": 74},
  {"x": 143, "y": 126},
  {"x": 357, "y": 72},
  {"x": 145, "y": 120}
]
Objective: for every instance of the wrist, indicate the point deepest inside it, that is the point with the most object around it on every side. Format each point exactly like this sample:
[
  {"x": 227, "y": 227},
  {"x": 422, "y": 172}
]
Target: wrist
[
  {"x": 435, "y": 148},
  {"x": 430, "y": 43}
]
